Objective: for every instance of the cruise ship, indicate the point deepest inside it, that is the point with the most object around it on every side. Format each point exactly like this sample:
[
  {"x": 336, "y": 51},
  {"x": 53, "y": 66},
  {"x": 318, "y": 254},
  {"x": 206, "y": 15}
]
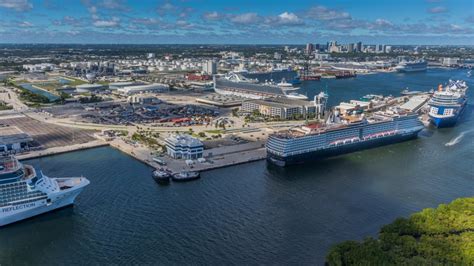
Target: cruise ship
[
  {"x": 412, "y": 66},
  {"x": 25, "y": 192},
  {"x": 341, "y": 134},
  {"x": 448, "y": 104}
]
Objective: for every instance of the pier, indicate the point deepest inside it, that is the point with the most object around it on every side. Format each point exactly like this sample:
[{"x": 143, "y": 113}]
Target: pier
[
  {"x": 61, "y": 149},
  {"x": 215, "y": 158}
]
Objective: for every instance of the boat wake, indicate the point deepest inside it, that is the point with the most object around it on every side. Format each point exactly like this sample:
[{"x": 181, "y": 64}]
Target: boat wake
[{"x": 458, "y": 138}]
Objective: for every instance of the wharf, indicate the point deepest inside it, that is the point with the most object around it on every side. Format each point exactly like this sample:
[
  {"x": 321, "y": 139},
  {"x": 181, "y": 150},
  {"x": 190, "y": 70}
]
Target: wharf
[
  {"x": 215, "y": 158},
  {"x": 61, "y": 149}
]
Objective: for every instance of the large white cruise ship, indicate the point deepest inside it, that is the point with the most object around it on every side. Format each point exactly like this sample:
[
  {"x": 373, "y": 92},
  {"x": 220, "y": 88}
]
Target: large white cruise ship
[
  {"x": 412, "y": 66},
  {"x": 26, "y": 192}
]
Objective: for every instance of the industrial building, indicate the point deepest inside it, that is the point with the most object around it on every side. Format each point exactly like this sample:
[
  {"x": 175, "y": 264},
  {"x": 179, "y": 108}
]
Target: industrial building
[
  {"x": 155, "y": 87},
  {"x": 12, "y": 139},
  {"x": 84, "y": 88},
  {"x": 182, "y": 146},
  {"x": 142, "y": 99},
  {"x": 280, "y": 107},
  {"x": 118, "y": 85}
]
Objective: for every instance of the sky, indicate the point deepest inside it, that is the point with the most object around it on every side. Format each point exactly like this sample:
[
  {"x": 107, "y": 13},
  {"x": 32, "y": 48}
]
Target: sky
[{"x": 237, "y": 22}]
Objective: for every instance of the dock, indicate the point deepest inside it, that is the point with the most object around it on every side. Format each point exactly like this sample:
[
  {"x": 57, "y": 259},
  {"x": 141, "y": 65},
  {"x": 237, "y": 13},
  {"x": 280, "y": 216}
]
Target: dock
[
  {"x": 61, "y": 149},
  {"x": 215, "y": 158}
]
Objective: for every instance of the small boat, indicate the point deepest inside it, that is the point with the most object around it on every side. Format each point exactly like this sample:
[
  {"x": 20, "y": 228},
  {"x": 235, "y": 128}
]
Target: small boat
[
  {"x": 294, "y": 95},
  {"x": 284, "y": 84},
  {"x": 161, "y": 176},
  {"x": 185, "y": 176}
]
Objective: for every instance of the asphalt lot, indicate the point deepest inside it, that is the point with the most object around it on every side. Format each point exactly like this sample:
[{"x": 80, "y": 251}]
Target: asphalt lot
[{"x": 48, "y": 135}]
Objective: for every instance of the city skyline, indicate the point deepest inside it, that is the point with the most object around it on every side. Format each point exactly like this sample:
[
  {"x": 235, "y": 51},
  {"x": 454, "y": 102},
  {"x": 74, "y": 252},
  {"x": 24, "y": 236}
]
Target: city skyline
[{"x": 244, "y": 22}]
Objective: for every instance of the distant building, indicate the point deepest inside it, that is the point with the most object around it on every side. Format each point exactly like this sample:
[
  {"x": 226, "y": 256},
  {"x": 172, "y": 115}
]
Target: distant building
[
  {"x": 359, "y": 47},
  {"x": 450, "y": 61},
  {"x": 142, "y": 99},
  {"x": 155, "y": 87},
  {"x": 183, "y": 146},
  {"x": 39, "y": 67},
  {"x": 90, "y": 87},
  {"x": 350, "y": 48},
  {"x": 379, "y": 48},
  {"x": 209, "y": 67},
  {"x": 277, "y": 56},
  {"x": 388, "y": 49},
  {"x": 309, "y": 48},
  {"x": 150, "y": 55},
  {"x": 322, "y": 56},
  {"x": 122, "y": 84},
  {"x": 280, "y": 107},
  {"x": 12, "y": 140}
]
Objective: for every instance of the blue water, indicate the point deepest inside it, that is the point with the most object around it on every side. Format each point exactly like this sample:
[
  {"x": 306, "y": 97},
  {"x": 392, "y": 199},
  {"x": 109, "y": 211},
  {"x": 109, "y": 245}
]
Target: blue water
[
  {"x": 248, "y": 214},
  {"x": 30, "y": 87}
]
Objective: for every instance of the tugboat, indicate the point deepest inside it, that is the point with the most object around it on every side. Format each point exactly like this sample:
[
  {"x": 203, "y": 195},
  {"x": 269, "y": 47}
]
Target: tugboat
[
  {"x": 161, "y": 176},
  {"x": 185, "y": 176}
]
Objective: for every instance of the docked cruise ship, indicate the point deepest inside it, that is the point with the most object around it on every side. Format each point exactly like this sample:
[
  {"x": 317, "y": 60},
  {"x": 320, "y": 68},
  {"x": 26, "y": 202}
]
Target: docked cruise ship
[
  {"x": 412, "y": 66},
  {"x": 25, "y": 192},
  {"x": 448, "y": 104},
  {"x": 341, "y": 134}
]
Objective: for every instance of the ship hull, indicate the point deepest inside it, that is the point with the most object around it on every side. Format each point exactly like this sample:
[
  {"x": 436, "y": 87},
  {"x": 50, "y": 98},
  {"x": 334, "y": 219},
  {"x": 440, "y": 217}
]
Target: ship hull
[
  {"x": 450, "y": 121},
  {"x": 28, "y": 210},
  {"x": 338, "y": 150}
]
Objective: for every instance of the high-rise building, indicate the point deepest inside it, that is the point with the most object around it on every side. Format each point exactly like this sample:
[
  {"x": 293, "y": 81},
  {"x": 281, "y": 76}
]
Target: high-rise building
[
  {"x": 209, "y": 67},
  {"x": 359, "y": 47},
  {"x": 309, "y": 48},
  {"x": 379, "y": 48},
  {"x": 350, "y": 48},
  {"x": 388, "y": 49}
]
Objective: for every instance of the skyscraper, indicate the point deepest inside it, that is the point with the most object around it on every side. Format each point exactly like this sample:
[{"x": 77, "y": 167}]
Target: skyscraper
[
  {"x": 309, "y": 48},
  {"x": 350, "y": 48},
  {"x": 359, "y": 47}
]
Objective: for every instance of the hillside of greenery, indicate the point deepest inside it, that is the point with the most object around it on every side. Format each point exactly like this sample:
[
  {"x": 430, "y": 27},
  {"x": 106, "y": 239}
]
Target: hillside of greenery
[{"x": 444, "y": 235}]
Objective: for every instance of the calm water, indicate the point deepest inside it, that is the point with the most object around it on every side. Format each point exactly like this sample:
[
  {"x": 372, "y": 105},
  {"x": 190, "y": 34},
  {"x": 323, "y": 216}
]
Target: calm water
[
  {"x": 30, "y": 87},
  {"x": 252, "y": 213}
]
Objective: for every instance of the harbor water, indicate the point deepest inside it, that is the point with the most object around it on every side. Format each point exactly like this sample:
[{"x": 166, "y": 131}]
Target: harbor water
[{"x": 252, "y": 213}]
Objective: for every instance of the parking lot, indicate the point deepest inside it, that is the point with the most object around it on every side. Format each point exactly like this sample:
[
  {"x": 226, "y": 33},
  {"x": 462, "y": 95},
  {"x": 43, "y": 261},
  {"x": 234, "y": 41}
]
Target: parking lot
[{"x": 48, "y": 135}]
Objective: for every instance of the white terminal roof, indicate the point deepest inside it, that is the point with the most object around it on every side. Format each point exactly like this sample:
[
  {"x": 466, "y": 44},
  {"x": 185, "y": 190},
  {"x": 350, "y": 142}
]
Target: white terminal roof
[{"x": 184, "y": 140}]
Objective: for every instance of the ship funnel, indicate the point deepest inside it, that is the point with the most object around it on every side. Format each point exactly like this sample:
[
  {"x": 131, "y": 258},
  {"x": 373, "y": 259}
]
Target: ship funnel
[{"x": 440, "y": 87}]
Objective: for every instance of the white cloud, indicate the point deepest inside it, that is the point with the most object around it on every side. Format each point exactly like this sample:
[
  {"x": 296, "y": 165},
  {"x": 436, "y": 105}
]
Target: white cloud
[
  {"x": 437, "y": 10},
  {"x": 324, "y": 13},
  {"x": 246, "y": 18},
  {"x": 18, "y": 5},
  {"x": 114, "y": 22},
  {"x": 288, "y": 19},
  {"x": 25, "y": 24},
  {"x": 212, "y": 16}
]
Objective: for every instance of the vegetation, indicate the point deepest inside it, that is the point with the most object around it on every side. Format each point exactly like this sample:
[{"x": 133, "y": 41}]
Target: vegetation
[
  {"x": 28, "y": 96},
  {"x": 148, "y": 138},
  {"x": 235, "y": 112},
  {"x": 4, "y": 106},
  {"x": 92, "y": 99},
  {"x": 442, "y": 236}
]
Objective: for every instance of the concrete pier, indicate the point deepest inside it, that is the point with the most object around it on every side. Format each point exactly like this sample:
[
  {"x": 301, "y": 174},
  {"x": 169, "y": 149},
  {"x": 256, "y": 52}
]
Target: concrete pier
[
  {"x": 215, "y": 158},
  {"x": 63, "y": 149}
]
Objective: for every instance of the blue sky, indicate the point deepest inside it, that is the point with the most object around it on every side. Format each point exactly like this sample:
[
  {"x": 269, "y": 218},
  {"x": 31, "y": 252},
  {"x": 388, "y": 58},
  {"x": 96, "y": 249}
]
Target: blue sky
[{"x": 237, "y": 22}]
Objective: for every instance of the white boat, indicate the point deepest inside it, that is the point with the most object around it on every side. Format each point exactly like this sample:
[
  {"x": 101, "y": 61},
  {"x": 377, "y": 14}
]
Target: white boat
[
  {"x": 284, "y": 84},
  {"x": 185, "y": 176},
  {"x": 297, "y": 96},
  {"x": 25, "y": 192}
]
